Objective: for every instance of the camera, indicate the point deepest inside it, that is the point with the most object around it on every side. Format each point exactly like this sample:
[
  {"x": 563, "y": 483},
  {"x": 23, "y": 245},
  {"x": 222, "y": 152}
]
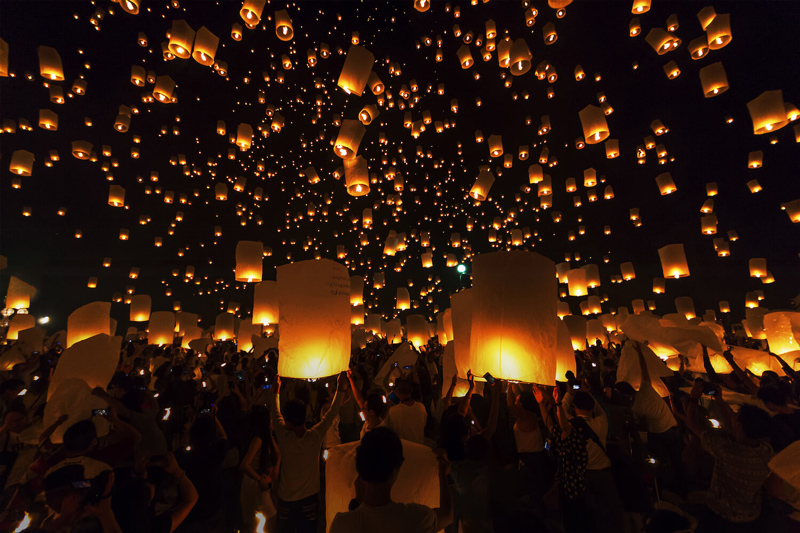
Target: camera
[{"x": 99, "y": 412}]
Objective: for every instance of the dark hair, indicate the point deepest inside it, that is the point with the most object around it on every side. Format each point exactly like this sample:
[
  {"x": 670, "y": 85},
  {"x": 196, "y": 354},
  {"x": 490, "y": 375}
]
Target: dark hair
[
  {"x": 625, "y": 388},
  {"x": 259, "y": 421},
  {"x": 295, "y": 412},
  {"x": 583, "y": 401},
  {"x": 403, "y": 387},
  {"x": 379, "y": 455},
  {"x": 203, "y": 431},
  {"x": 454, "y": 431},
  {"x": 771, "y": 394},
  {"x": 755, "y": 421},
  {"x": 528, "y": 401},
  {"x": 79, "y": 436},
  {"x": 134, "y": 399},
  {"x": 11, "y": 384},
  {"x": 375, "y": 402}
]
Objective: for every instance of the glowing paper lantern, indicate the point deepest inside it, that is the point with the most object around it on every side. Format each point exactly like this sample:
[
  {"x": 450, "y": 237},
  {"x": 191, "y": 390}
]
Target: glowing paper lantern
[
  {"x": 685, "y": 306},
  {"x": 403, "y": 299},
  {"x": 18, "y": 323},
  {"x": 87, "y": 321},
  {"x": 50, "y": 64},
  {"x": 519, "y": 57},
  {"x": 357, "y": 315},
  {"x": 792, "y": 210},
  {"x": 713, "y": 79},
  {"x": 417, "y": 330},
  {"x": 314, "y": 319},
  {"x": 283, "y": 26},
  {"x": 758, "y": 267},
  {"x": 782, "y": 329},
  {"x": 465, "y": 57},
  {"x": 251, "y": 11},
  {"x": 140, "y": 308},
  {"x": 565, "y": 355},
  {"x": 698, "y": 48},
  {"x": 673, "y": 262},
  {"x": 181, "y": 37},
  {"x": 225, "y": 326},
  {"x": 249, "y": 256},
  {"x": 461, "y": 314},
  {"x": 755, "y": 159},
  {"x": 356, "y": 70},
  {"x": 513, "y": 332},
  {"x": 265, "y": 303},
  {"x": 21, "y": 163},
  {"x": 768, "y": 112},
  {"x": 660, "y": 40},
  {"x": 205, "y": 47},
  {"x": 708, "y": 224},
  {"x": 484, "y": 181},
  {"x": 161, "y": 328},
  {"x": 719, "y": 31},
  {"x": 356, "y": 290},
  {"x": 576, "y": 326},
  {"x": 576, "y": 278},
  {"x": 595, "y": 127},
  {"x": 640, "y": 6},
  {"x": 627, "y": 271},
  {"x": 163, "y": 89},
  {"x": 356, "y": 176},
  {"x": 350, "y": 135},
  {"x": 19, "y": 294},
  {"x": 244, "y": 136}
]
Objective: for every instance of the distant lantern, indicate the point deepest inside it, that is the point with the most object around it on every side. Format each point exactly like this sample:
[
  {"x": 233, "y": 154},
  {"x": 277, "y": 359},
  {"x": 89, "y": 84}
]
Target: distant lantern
[
  {"x": 549, "y": 33},
  {"x": 712, "y": 189},
  {"x": 403, "y": 299},
  {"x": 665, "y": 184},
  {"x": 236, "y": 31},
  {"x": 768, "y": 112},
  {"x": 659, "y": 285},
  {"x": 356, "y": 290},
  {"x": 519, "y": 57},
  {"x": 792, "y": 210},
  {"x": 708, "y": 224},
  {"x": 684, "y": 305},
  {"x": 535, "y": 174},
  {"x": 249, "y": 255},
  {"x": 589, "y": 177},
  {"x": 356, "y": 70},
  {"x": 576, "y": 278},
  {"x": 221, "y": 191},
  {"x": 484, "y": 181},
  {"x": 640, "y": 6},
  {"x": 634, "y": 27},
  {"x": 116, "y": 196},
  {"x": 140, "y": 308},
  {"x": 758, "y": 267},
  {"x": 427, "y": 260},
  {"x": 21, "y": 163},
  {"x": 627, "y": 271},
  {"x": 225, "y": 326},
  {"x": 719, "y": 32},
  {"x": 660, "y": 40},
  {"x": 422, "y": 5},
  {"x": 671, "y": 70},
  {"x": 495, "y": 143},
  {"x": 545, "y": 186},
  {"x": 713, "y": 79},
  {"x": 698, "y": 47},
  {"x": 754, "y": 186},
  {"x": 205, "y": 47},
  {"x": 163, "y": 89},
  {"x": 755, "y": 159},
  {"x": 465, "y": 57},
  {"x": 244, "y": 136},
  {"x": 181, "y": 37},
  {"x": 81, "y": 149},
  {"x": 283, "y": 25},
  {"x": 724, "y": 307},
  {"x": 48, "y": 120},
  {"x": 350, "y": 134},
  {"x": 612, "y": 148},
  {"x": 579, "y": 73},
  {"x": 375, "y": 83},
  {"x": 367, "y": 114},
  {"x": 417, "y": 330},
  {"x": 673, "y": 261},
  {"x": 251, "y": 11},
  {"x": 595, "y": 127},
  {"x": 50, "y": 64},
  {"x": 356, "y": 176}
]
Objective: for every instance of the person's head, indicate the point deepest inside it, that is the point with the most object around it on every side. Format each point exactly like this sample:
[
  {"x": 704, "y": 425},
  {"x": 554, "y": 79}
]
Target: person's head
[
  {"x": 773, "y": 397},
  {"x": 379, "y": 456},
  {"x": 131, "y": 504},
  {"x": 203, "y": 431},
  {"x": 134, "y": 400},
  {"x": 75, "y": 485},
  {"x": 625, "y": 388},
  {"x": 80, "y": 438},
  {"x": 752, "y": 423},
  {"x": 376, "y": 404},
  {"x": 583, "y": 403},
  {"x": 11, "y": 388},
  {"x": 527, "y": 401},
  {"x": 295, "y": 413},
  {"x": 403, "y": 388}
]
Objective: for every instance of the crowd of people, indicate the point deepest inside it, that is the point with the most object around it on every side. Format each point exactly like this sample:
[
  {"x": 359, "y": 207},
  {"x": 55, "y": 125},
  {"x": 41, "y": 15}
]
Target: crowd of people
[{"x": 218, "y": 442}]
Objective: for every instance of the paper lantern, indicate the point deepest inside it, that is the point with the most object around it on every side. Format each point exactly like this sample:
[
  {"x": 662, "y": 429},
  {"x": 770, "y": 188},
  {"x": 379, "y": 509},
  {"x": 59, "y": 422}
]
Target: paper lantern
[
  {"x": 18, "y": 323},
  {"x": 754, "y": 186},
  {"x": 48, "y": 120},
  {"x": 576, "y": 326},
  {"x": 713, "y": 79},
  {"x": 87, "y": 321},
  {"x": 708, "y": 224},
  {"x": 356, "y": 70},
  {"x": 660, "y": 40},
  {"x": 549, "y": 33},
  {"x": 249, "y": 256},
  {"x": 698, "y": 48},
  {"x": 519, "y": 57},
  {"x": 161, "y": 328},
  {"x": 205, "y": 47},
  {"x": 711, "y": 189},
  {"x": 224, "y": 326},
  {"x": 403, "y": 299},
  {"x": 350, "y": 134},
  {"x": 755, "y": 159},
  {"x": 265, "y": 303},
  {"x": 758, "y": 267},
  {"x": 513, "y": 332},
  {"x": 181, "y": 37},
  {"x": 665, "y": 183},
  {"x": 640, "y": 6},
  {"x": 140, "y": 308},
  {"x": 21, "y": 163},
  {"x": 673, "y": 261},
  {"x": 422, "y": 5},
  {"x": 50, "y": 64},
  {"x": 576, "y": 278},
  {"x": 768, "y": 112},
  {"x": 782, "y": 330},
  {"x": 465, "y": 57},
  {"x": 718, "y": 32},
  {"x": 634, "y": 27},
  {"x": 116, "y": 196},
  {"x": 792, "y": 210},
  {"x": 427, "y": 260},
  {"x": 417, "y": 330},
  {"x": 684, "y": 305},
  {"x": 19, "y": 294},
  {"x": 367, "y": 114},
  {"x": 283, "y": 25},
  {"x": 484, "y": 181},
  {"x": 81, "y": 149},
  {"x": 356, "y": 290},
  {"x": 251, "y": 11},
  {"x": 357, "y": 315},
  {"x": 163, "y": 89},
  {"x": 314, "y": 319},
  {"x": 595, "y": 127},
  {"x": 535, "y": 174},
  {"x": 356, "y": 176},
  {"x": 671, "y": 70}
]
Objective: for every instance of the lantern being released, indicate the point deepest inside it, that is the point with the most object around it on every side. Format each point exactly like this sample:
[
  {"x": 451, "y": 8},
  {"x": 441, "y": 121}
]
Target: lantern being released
[
  {"x": 161, "y": 329},
  {"x": 249, "y": 256},
  {"x": 140, "y": 308},
  {"x": 513, "y": 333},
  {"x": 89, "y": 320},
  {"x": 314, "y": 301},
  {"x": 673, "y": 261}
]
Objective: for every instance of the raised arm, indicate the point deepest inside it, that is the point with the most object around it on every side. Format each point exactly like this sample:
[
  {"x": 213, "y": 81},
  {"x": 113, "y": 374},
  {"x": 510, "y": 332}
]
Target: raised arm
[
  {"x": 362, "y": 404},
  {"x": 323, "y": 425},
  {"x": 491, "y": 424},
  {"x": 642, "y": 363},
  {"x": 444, "y": 513},
  {"x": 692, "y": 410},
  {"x": 786, "y": 368},
  {"x": 464, "y": 405},
  {"x": 747, "y": 383},
  {"x": 448, "y": 399},
  {"x": 277, "y": 417}
]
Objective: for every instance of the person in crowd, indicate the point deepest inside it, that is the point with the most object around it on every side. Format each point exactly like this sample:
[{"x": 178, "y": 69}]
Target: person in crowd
[
  {"x": 9, "y": 393},
  {"x": 785, "y": 420},
  {"x": 299, "y": 483},
  {"x": 372, "y": 409},
  {"x": 260, "y": 467},
  {"x": 407, "y": 418},
  {"x": 378, "y": 461},
  {"x": 530, "y": 410}
]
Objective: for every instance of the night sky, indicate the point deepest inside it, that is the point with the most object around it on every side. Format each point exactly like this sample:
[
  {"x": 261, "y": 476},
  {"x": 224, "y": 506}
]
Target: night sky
[{"x": 42, "y": 249}]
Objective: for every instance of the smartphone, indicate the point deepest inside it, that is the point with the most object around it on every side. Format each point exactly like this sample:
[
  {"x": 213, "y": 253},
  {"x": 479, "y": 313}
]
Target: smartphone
[
  {"x": 205, "y": 411},
  {"x": 714, "y": 423},
  {"x": 167, "y": 413},
  {"x": 99, "y": 412},
  {"x": 408, "y": 367},
  {"x": 547, "y": 444},
  {"x": 361, "y": 414},
  {"x": 240, "y": 375},
  {"x": 652, "y": 460},
  {"x": 394, "y": 397},
  {"x": 489, "y": 378},
  {"x": 266, "y": 386},
  {"x": 576, "y": 387}
]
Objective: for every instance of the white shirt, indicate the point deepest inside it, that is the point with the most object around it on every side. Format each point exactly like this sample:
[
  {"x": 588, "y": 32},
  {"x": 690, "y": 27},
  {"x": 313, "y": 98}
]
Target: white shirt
[
  {"x": 408, "y": 421},
  {"x": 650, "y": 407},
  {"x": 390, "y": 518},
  {"x": 299, "y": 476}
]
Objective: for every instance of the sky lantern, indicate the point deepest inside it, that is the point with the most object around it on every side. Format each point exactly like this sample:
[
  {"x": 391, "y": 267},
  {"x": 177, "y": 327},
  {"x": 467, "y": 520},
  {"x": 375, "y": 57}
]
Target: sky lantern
[
  {"x": 48, "y": 120},
  {"x": 535, "y": 173},
  {"x": 758, "y": 267},
  {"x": 754, "y": 186},
  {"x": 249, "y": 261},
  {"x": 513, "y": 332},
  {"x": 792, "y": 210},
  {"x": 350, "y": 134},
  {"x": 627, "y": 271},
  {"x": 21, "y": 163},
  {"x": 755, "y": 159},
  {"x": 660, "y": 40},
  {"x": 225, "y": 326},
  {"x": 50, "y": 64},
  {"x": 140, "y": 308},
  {"x": 251, "y": 12},
  {"x": 357, "y": 315},
  {"x": 708, "y": 224},
  {"x": 612, "y": 148},
  {"x": 356, "y": 176},
  {"x": 138, "y": 75},
  {"x": 181, "y": 37},
  {"x": 417, "y": 331},
  {"x": 595, "y": 127},
  {"x": 265, "y": 303},
  {"x": 519, "y": 57},
  {"x": 422, "y": 5},
  {"x": 244, "y": 136},
  {"x": 698, "y": 48},
  {"x": 367, "y": 114},
  {"x": 116, "y": 196},
  {"x": 19, "y": 294},
  {"x": 684, "y": 305},
  {"x": 81, "y": 149},
  {"x": 719, "y": 32},
  {"x": 768, "y": 112},
  {"x": 19, "y": 322},
  {"x": 205, "y": 47},
  {"x": 465, "y": 57},
  {"x": 576, "y": 278},
  {"x": 495, "y": 143},
  {"x": 713, "y": 79},
  {"x": 665, "y": 183},
  {"x": 236, "y": 31},
  {"x": 89, "y": 320},
  {"x": 163, "y": 89},
  {"x": 484, "y": 181},
  {"x": 356, "y": 290},
  {"x": 283, "y": 25},
  {"x": 161, "y": 328},
  {"x": 549, "y": 33},
  {"x": 356, "y": 70},
  {"x": 403, "y": 299},
  {"x": 705, "y": 16},
  {"x": 640, "y": 6},
  {"x": 673, "y": 261},
  {"x": 314, "y": 319}
]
